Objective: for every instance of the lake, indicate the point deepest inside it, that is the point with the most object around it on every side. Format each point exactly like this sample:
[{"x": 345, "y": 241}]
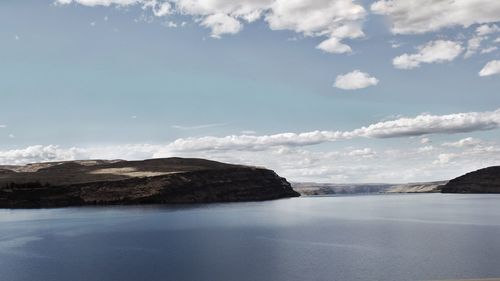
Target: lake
[{"x": 372, "y": 237}]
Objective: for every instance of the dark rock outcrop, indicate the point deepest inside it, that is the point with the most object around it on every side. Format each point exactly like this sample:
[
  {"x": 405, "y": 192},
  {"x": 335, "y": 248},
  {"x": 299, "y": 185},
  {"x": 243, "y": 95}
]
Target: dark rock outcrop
[
  {"x": 155, "y": 181},
  {"x": 485, "y": 180}
]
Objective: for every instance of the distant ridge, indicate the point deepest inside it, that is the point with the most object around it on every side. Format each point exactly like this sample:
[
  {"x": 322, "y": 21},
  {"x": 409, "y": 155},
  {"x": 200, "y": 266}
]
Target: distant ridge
[{"x": 310, "y": 188}]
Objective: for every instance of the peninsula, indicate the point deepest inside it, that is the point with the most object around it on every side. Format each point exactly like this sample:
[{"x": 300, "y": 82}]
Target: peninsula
[{"x": 154, "y": 181}]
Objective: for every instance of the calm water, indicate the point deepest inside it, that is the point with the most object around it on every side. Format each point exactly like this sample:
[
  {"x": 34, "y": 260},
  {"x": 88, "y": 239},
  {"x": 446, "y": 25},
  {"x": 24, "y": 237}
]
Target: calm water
[{"x": 381, "y": 237}]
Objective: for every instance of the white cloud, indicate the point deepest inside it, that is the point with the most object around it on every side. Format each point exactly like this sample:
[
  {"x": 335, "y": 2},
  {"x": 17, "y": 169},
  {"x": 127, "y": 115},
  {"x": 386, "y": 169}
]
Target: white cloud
[
  {"x": 473, "y": 45},
  {"x": 313, "y": 18},
  {"x": 395, "y": 45},
  {"x": 364, "y": 153},
  {"x": 463, "y": 142},
  {"x": 420, "y": 125},
  {"x": 489, "y": 50},
  {"x": 491, "y": 68},
  {"x": 444, "y": 158},
  {"x": 93, "y": 3},
  {"x": 438, "y": 51},
  {"x": 426, "y": 148},
  {"x": 249, "y": 10},
  {"x": 425, "y": 140},
  {"x": 410, "y": 16},
  {"x": 487, "y": 29},
  {"x": 3, "y": 126},
  {"x": 37, "y": 153},
  {"x": 355, "y": 80},
  {"x": 222, "y": 24},
  {"x": 334, "y": 46},
  {"x": 11, "y": 136},
  {"x": 170, "y": 24},
  {"x": 334, "y": 20},
  {"x": 432, "y": 124},
  {"x": 159, "y": 9}
]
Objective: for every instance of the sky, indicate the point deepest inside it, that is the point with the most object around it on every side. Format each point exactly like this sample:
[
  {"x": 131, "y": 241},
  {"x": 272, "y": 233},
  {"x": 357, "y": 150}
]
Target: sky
[{"x": 321, "y": 91}]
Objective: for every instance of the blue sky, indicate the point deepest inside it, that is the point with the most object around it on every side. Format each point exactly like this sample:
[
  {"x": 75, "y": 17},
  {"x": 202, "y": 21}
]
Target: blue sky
[{"x": 142, "y": 78}]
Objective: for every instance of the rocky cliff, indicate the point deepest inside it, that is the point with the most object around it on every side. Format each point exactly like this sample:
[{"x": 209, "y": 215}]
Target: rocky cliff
[
  {"x": 485, "y": 180},
  {"x": 155, "y": 181}
]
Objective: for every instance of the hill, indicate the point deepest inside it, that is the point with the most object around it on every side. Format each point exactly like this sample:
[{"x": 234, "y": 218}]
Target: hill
[
  {"x": 485, "y": 180},
  {"x": 168, "y": 180}
]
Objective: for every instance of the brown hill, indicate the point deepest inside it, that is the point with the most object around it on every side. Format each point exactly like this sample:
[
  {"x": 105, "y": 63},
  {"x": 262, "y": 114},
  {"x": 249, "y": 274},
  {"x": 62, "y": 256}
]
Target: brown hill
[{"x": 168, "y": 180}]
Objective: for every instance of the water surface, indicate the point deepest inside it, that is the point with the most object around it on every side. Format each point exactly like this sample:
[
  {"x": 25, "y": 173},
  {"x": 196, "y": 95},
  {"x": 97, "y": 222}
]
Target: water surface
[{"x": 379, "y": 237}]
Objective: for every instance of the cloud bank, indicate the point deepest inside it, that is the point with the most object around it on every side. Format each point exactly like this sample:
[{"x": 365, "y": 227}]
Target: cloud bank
[
  {"x": 351, "y": 164},
  {"x": 287, "y": 153},
  {"x": 420, "y": 125}
]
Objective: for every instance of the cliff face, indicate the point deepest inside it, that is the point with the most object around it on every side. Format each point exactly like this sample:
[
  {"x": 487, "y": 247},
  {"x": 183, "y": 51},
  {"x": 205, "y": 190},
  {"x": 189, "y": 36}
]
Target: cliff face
[
  {"x": 485, "y": 180},
  {"x": 158, "y": 181}
]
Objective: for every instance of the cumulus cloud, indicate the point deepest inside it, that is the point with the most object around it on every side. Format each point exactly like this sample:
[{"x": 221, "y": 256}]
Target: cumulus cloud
[
  {"x": 409, "y": 16},
  {"x": 334, "y": 20},
  {"x": 222, "y": 24},
  {"x": 334, "y": 46},
  {"x": 444, "y": 158},
  {"x": 426, "y": 148},
  {"x": 489, "y": 50},
  {"x": 425, "y": 140},
  {"x": 160, "y": 9},
  {"x": 491, "y": 68},
  {"x": 37, "y": 153},
  {"x": 473, "y": 45},
  {"x": 364, "y": 153},
  {"x": 355, "y": 80},
  {"x": 463, "y": 142},
  {"x": 438, "y": 51},
  {"x": 487, "y": 29},
  {"x": 93, "y": 3},
  {"x": 48, "y": 153},
  {"x": 323, "y": 17}
]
